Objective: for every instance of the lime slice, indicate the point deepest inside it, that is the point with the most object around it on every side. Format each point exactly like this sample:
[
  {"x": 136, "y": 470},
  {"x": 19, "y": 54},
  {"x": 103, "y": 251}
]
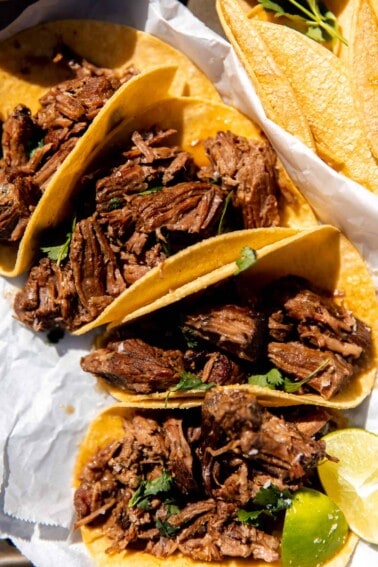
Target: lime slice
[
  {"x": 352, "y": 482},
  {"x": 314, "y": 530}
]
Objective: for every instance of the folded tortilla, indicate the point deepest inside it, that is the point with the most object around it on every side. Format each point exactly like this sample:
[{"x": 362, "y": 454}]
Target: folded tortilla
[
  {"x": 190, "y": 121},
  {"x": 109, "y": 428},
  {"x": 28, "y": 72},
  {"x": 324, "y": 258}
]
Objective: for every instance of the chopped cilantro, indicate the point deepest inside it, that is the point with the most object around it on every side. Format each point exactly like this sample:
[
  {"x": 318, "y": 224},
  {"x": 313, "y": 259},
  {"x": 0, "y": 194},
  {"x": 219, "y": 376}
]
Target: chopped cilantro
[
  {"x": 166, "y": 529},
  {"x": 147, "y": 488},
  {"x": 274, "y": 380},
  {"x": 246, "y": 259},
  {"x": 60, "y": 252},
  {"x": 189, "y": 381},
  {"x": 318, "y": 22},
  {"x": 190, "y": 337},
  {"x": 266, "y": 505},
  {"x": 114, "y": 203}
]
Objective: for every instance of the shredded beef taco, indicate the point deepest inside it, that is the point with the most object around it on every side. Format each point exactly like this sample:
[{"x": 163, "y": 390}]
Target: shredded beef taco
[
  {"x": 298, "y": 326},
  {"x": 56, "y": 82},
  {"x": 167, "y": 197},
  {"x": 181, "y": 485}
]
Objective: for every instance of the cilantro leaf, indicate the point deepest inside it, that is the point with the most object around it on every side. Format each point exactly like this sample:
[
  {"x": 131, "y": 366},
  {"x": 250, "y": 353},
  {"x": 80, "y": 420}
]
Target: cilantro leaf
[
  {"x": 272, "y": 379},
  {"x": 266, "y": 505},
  {"x": 190, "y": 337},
  {"x": 246, "y": 259},
  {"x": 189, "y": 381},
  {"x": 319, "y": 23},
  {"x": 166, "y": 529},
  {"x": 60, "y": 252},
  {"x": 114, "y": 203},
  {"x": 148, "y": 488}
]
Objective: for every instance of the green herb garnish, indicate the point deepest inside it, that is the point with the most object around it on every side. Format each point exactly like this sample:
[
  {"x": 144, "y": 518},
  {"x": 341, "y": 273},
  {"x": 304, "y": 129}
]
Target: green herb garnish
[
  {"x": 319, "y": 23},
  {"x": 166, "y": 529},
  {"x": 60, "y": 252},
  {"x": 151, "y": 190},
  {"x": 190, "y": 337},
  {"x": 147, "y": 488},
  {"x": 266, "y": 505},
  {"x": 246, "y": 260},
  {"x": 276, "y": 381},
  {"x": 291, "y": 386},
  {"x": 224, "y": 210},
  {"x": 189, "y": 381},
  {"x": 272, "y": 379},
  {"x": 114, "y": 203}
]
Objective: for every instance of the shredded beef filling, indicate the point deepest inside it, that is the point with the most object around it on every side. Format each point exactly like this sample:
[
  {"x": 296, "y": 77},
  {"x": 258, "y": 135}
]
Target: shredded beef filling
[
  {"x": 148, "y": 202},
  {"x": 216, "y": 461},
  {"x": 304, "y": 333},
  {"x": 34, "y": 147}
]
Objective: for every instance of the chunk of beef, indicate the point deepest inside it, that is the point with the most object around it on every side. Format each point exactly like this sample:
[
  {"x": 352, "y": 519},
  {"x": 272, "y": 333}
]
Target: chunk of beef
[
  {"x": 216, "y": 536},
  {"x": 241, "y": 440},
  {"x": 232, "y": 328},
  {"x": 18, "y": 133},
  {"x": 180, "y": 456},
  {"x": 249, "y": 168},
  {"x": 48, "y": 297},
  {"x": 192, "y": 207},
  {"x": 136, "y": 366},
  {"x": 97, "y": 277},
  {"x": 18, "y": 198},
  {"x": 332, "y": 373},
  {"x": 75, "y": 100}
]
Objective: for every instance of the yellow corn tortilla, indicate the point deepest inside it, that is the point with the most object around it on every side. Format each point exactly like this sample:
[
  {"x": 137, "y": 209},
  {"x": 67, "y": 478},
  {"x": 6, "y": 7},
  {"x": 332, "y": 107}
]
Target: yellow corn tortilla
[
  {"x": 27, "y": 70},
  {"x": 325, "y": 258},
  {"x": 107, "y": 427},
  {"x": 320, "y": 87},
  {"x": 271, "y": 84},
  {"x": 194, "y": 119},
  {"x": 360, "y": 58},
  {"x": 51, "y": 208}
]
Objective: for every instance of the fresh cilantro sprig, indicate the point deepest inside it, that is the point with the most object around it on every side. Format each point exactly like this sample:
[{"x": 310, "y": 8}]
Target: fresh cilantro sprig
[
  {"x": 189, "y": 381},
  {"x": 246, "y": 259},
  {"x": 266, "y": 505},
  {"x": 148, "y": 488},
  {"x": 60, "y": 252},
  {"x": 319, "y": 22},
  {"x": 276, "y": 381}
]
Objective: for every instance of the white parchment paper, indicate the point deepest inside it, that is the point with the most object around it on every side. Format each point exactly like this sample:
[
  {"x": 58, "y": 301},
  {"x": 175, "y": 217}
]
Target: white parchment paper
[{"x": 46, "y": 401}]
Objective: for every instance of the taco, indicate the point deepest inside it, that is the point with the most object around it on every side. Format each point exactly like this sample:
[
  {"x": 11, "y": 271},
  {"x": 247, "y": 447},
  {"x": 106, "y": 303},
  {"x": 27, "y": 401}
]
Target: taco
[
  {"x": 62, "y": 85},
  {"x": 181, "y": 485},
  {"x": 299, "y": 326},
  {"x": 319, "y": 106},
  {"x": 163, "y": 200}
]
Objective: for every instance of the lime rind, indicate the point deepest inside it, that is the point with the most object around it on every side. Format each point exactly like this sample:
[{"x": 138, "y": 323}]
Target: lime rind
[
  {"x": 315, "y": 529},
  {"x": 352, "y": 482}
]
